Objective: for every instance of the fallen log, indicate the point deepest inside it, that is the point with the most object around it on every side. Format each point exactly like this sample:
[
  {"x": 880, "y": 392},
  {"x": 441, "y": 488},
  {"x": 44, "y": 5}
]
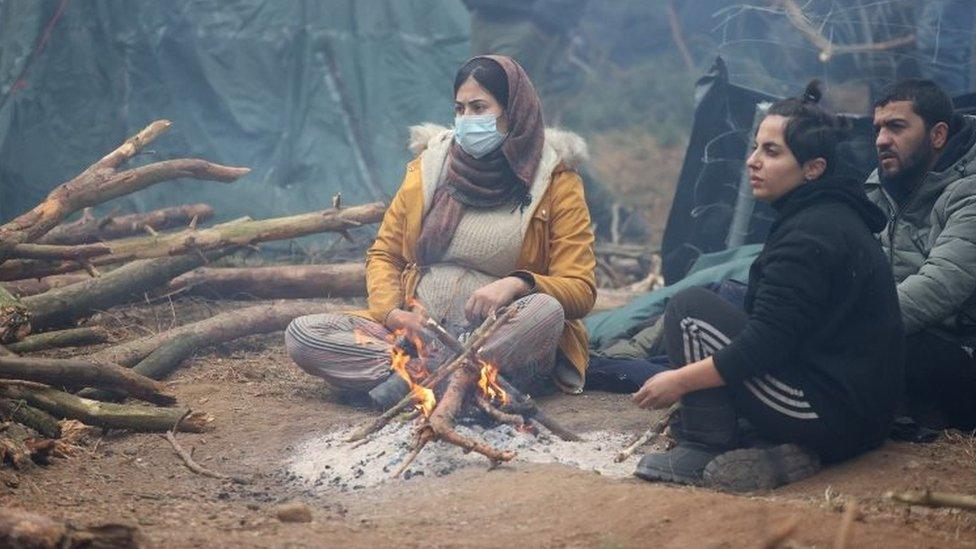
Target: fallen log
[
  {"x": 90, "y": 229},
  {"x": 101, "y": 182},
  {"x": 18, "y": 269},
  {"x": 150, "y": 419},
  {"x": 242, "y": 233},
  {"x": 57, "y": 251},
  {"x": 38, "y": 420},
  {"x": 24, "y": 288},
  {"x": 217, "y": 329},
  {"x": 159, "y": 355},
  {"x": 23, "y": 530},
  {"x": 279, "y": 282},
  {"x": 75, "y": 373},
  {"x": 62, "y": 338},
  {"x": 61, "y": 306}
]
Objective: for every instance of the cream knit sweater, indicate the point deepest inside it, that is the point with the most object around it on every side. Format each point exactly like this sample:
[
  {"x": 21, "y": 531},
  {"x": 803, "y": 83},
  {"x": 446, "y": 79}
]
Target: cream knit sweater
[{"x": 485, "y": 247}]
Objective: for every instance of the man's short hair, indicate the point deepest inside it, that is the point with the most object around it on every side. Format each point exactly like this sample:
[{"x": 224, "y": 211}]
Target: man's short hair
[{"x": 929, "y": 101}]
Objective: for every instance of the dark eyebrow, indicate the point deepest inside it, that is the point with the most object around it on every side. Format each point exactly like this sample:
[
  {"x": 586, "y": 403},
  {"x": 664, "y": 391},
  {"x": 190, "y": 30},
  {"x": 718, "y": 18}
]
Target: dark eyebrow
[{"x": 890, "y": 121}]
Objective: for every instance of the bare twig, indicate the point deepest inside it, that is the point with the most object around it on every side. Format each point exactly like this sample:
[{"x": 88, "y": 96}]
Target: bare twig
[
  {"x": 679, "y": 39},
  {"x": 648, "y": 435},
  {"x": 423, "y": 437},
  {"x": 827, "y": 48},
  {"x": 188, "y": 459}
]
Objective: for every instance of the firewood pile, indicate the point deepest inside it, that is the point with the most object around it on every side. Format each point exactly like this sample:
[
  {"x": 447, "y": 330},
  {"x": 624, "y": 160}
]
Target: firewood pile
[{"x": 56, "y": 273}]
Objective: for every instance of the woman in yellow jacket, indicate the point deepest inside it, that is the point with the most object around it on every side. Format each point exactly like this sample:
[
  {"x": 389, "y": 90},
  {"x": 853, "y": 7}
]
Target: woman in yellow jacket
[{"x": 490, "y": 214}]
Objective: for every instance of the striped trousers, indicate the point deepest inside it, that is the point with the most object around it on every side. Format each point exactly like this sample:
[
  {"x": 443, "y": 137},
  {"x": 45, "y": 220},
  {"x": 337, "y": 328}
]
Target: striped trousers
[
  {"x": 698, "y": 323},
  {"x": 353, "y": 353}
]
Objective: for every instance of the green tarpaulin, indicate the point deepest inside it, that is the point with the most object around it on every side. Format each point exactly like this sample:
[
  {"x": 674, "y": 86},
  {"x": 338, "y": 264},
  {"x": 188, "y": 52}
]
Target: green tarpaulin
[
  {"x": 611, "y": 326},
  {"x": 314, "y": 95}
]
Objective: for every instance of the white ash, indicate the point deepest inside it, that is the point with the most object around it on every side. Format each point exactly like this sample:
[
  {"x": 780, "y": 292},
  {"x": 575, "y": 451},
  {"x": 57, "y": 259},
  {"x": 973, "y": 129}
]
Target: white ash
[{"x": 330, "y": 463}]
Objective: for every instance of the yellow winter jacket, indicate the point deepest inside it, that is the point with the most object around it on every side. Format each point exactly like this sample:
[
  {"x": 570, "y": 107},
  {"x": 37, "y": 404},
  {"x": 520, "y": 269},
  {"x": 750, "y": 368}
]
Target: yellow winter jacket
[{"x": 557, "y": 250}]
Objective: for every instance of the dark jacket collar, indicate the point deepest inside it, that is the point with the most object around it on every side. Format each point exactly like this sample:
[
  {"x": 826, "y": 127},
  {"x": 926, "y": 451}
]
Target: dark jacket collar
[{"x": 832, "y": 189}]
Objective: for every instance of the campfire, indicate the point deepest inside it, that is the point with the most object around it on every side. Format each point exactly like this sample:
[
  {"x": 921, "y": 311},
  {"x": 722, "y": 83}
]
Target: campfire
[{"x": 466, "y": 383}]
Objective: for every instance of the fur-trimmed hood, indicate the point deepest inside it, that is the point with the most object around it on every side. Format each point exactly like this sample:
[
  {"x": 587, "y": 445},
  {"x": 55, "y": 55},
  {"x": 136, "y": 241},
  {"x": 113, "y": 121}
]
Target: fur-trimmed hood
[{"x": 570, "y": 148}]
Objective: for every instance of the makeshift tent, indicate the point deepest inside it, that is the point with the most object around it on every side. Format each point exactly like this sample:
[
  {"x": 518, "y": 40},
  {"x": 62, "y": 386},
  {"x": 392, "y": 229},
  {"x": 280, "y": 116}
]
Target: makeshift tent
[{"x": 314, "y": 95}]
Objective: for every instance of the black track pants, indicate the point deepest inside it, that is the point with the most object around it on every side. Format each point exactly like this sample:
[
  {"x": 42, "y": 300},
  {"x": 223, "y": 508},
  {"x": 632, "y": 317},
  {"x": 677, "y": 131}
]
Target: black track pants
[{"x": 698, "y": 323}]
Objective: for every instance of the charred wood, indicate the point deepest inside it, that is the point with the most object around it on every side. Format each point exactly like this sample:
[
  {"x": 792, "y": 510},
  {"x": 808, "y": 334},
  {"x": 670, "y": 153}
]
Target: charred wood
[{"x": 442, "y": 420}]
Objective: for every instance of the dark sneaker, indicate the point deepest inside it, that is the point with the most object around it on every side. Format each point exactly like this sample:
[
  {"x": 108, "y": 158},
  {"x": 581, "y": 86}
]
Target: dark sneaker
[
  {"x": 752, "y": 469},
  {"x": 683, "y": 464}
]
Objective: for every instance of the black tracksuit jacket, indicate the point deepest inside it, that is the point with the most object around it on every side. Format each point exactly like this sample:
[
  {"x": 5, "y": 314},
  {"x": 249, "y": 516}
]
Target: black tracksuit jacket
[{"x": 822, "y": 302}]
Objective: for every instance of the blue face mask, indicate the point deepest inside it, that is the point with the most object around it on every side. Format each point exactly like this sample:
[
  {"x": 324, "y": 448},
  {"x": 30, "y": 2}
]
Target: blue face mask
[{"x": 477, "y": 134}]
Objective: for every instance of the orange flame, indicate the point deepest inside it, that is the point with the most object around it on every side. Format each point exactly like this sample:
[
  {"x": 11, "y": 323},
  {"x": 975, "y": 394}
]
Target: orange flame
[
  {"x": 400, "y": 362},
  {"x": 488, "y": 383}
]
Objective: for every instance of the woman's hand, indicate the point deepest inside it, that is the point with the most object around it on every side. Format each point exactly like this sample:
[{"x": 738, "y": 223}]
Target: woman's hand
[
  {"x": 660, "y": 391},
  {"x": 666, "y": 388},
  {"x": 491, "y": 297},
  {"x": 410, "y": 322}
]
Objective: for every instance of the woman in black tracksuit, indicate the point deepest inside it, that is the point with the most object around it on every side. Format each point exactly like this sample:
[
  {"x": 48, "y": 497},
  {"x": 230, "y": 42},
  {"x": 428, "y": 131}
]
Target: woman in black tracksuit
[{"x": 814, "y": 364}]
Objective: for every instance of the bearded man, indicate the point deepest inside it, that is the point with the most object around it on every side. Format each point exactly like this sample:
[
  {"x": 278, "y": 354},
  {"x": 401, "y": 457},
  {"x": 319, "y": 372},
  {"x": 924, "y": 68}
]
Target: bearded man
[{"x": 926, "y": 185}]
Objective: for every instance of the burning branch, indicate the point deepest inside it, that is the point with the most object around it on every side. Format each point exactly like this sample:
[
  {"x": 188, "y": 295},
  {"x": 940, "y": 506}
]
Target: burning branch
[
  {"x": 442, "y": 420},
  {"x": 515, "y": 398},
  {"x": 487, "y": 329}
]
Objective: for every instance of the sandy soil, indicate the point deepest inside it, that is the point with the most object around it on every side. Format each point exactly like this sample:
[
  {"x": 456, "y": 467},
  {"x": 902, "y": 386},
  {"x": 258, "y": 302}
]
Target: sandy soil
[{"x": 264, "y": 408}]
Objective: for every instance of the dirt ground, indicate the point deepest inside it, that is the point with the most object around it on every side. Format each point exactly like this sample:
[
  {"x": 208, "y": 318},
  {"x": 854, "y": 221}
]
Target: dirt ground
[{"x": 264, "y": 407}]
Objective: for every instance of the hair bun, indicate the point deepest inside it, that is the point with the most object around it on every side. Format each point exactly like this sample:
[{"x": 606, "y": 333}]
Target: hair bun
[{"x": 812, "y": 93}]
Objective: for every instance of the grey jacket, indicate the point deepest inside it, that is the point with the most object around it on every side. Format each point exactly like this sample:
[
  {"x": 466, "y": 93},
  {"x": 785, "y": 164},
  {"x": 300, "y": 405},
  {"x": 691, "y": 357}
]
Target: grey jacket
[{"x": 931, "y": 243}]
